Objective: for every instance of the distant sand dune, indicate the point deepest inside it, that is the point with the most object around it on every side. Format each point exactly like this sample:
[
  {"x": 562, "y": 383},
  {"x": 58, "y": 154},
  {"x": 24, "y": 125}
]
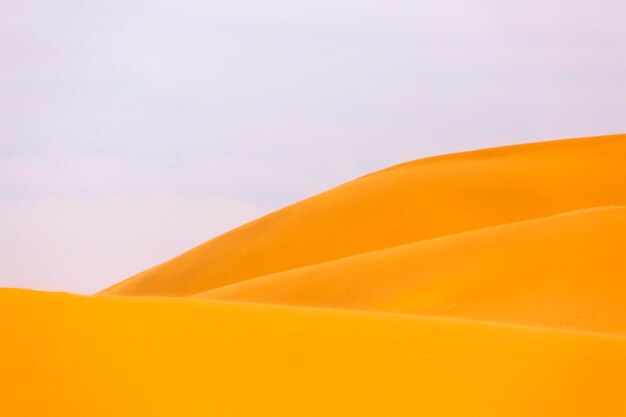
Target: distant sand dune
[
  {"x": 403, "y": 204},
  {"x": 565, "y": 271},
  {"x": 486, "y": 283}
]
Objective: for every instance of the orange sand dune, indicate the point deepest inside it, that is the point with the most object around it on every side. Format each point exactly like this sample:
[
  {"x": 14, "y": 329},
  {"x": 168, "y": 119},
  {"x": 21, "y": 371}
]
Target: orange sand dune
[
  {"x": 403, "y": 204},
  {"x": 116, "y": 356},
  {"x": 509, "y": 261},
  {"x": 563, "y": 271}
]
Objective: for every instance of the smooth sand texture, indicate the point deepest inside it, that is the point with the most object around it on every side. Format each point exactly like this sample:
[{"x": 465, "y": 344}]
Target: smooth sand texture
[
  {"x": 487, "y": 283},
  {"x": 403, "y": 204},
  {"x": 565, "y": 271},
  {"x": 113, "y": 356}
]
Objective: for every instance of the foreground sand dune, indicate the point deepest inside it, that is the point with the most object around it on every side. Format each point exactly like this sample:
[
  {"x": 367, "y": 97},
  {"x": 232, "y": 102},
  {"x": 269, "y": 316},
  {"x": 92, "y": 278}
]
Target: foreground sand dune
[
  {"x": 114, "y": 356},
  {"x": 487, "y": 283}
]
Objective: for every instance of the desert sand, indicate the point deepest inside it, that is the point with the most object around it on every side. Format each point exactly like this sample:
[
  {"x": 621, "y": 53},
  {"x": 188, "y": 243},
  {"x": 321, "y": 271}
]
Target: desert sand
[{"x": 484, "y": 283}]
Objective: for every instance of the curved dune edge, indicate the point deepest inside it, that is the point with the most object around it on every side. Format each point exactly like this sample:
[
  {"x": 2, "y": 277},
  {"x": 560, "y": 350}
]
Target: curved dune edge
[
  {"x": 125, "y": 356},
  {"x": 414, "y": 201},
  {"x": 563, "y": 271}
]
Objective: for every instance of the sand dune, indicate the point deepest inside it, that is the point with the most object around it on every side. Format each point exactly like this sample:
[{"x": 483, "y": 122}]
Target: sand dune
[
  {"x": 486, "y": 283},
  {"x": 403, "y": 204},
  {"x": 115, "y": 356},
  {"x": 565, "y": 271}
]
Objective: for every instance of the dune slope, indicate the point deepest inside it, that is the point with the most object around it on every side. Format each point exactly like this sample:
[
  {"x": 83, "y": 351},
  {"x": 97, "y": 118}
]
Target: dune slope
[
  {"x": 118, "y": 356},
  {"x": 487, "y": 283},
  {"x": 564, "y": 271},
  {"x": 403, "y": 204}
]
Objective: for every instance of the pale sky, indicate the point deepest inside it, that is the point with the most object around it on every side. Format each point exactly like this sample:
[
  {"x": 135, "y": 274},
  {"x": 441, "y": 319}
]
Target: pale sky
[{"x": 132, "y": 130}]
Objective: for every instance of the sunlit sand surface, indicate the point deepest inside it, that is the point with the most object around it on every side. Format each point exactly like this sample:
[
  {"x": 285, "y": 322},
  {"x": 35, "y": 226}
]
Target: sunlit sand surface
[
  {"x": 486, "y": 283},
  {"x": 565, "y": 271}
]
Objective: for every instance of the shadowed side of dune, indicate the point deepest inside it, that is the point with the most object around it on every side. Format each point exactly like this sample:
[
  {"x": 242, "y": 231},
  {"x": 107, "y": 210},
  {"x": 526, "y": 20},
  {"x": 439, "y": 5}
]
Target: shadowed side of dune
[
  {"x": 411, "y": 202},
  {"x": 120, "y": 356},
  {"x": 563, "y": 271}
]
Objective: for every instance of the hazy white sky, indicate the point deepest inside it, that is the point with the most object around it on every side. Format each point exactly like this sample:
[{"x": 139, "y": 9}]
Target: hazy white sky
[{"x": 132, "y": 130}]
